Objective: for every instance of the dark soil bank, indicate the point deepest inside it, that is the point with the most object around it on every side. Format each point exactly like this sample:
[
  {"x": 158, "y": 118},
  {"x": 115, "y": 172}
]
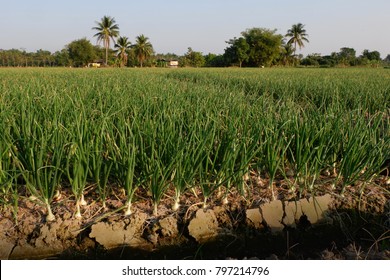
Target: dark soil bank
[{"x": 311, "y": 228}]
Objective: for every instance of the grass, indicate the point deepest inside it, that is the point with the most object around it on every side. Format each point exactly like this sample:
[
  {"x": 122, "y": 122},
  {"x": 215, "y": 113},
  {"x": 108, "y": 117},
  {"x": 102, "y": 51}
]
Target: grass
[{"x": 165, "y": 131}]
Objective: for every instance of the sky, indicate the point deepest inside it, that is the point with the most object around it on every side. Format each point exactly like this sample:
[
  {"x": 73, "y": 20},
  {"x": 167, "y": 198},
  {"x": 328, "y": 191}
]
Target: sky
[{"x": 204, "y": 25}]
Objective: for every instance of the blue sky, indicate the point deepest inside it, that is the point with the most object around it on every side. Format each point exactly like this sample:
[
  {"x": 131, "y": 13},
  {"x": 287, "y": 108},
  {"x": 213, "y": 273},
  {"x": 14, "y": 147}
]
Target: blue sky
[{"x": 204, "y": 25}]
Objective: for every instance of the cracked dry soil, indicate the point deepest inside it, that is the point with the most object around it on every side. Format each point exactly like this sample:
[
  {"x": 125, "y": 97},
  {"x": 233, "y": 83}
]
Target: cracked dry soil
[{"x": 321, "y": 227}]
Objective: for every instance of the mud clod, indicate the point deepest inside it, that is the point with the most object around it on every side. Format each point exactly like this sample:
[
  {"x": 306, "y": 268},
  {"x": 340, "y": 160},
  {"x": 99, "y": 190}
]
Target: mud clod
[
  {"x": 204, "y": 226},
  {"x": 272, "y": 213},
  {"x": 253, "y": 218},
  {"x": 5, "y": 249},
  {"x": 115, "y": 234},
  {"x": 169, "y": 227}
]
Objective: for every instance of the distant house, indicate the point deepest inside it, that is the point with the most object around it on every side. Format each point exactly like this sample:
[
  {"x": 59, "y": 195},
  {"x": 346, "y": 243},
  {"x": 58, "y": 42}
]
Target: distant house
[
  {"x": 167, "y": 63},
  {"x": 173, "y": 64},
  {"x": 96, "y": 63}
]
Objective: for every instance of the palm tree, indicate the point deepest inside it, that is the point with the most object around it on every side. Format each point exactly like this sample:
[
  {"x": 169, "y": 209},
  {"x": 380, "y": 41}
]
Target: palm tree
[
  {"x": 123, "y": 46},
  {"x": 143, "y": 48},
  {"x": 107, "y": 31},
  {"x": 298, "y": 35}
]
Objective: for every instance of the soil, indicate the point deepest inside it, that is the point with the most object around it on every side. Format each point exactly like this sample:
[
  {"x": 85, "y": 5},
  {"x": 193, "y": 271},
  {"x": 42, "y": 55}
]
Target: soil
[{"x": 320, "y": 225}]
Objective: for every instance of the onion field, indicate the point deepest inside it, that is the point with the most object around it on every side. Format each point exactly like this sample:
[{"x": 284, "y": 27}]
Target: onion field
[{"x": 164, "y": 133}]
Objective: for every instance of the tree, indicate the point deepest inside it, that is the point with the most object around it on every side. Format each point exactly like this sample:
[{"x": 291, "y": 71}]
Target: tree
[
  {"x": 132, "y": 60},
  {"x": 193, "y": 59},
  {"x": 62, "y": 58},
  {"x": 297, "y": 35},
  {"x": 387, "y": 59},
  {"x": 264, "y": 46},
  {"x": 287, "y": 56},
  {"x": 107, "y": 31},
  {"x": 214, "y": 60},
  {"x": 143, "y": 48},
  {"x": 347, "y": 56},
  {"x": 123, "y": 46},
  {"x": 311, "y": 60},
  {"x": 238, "y": 51},
  {"x": 100, "y": 53},
  {"x": 81, "y": 52},
  {"x": 44, "y": 57},
  {"x": 374, "y": 55}
]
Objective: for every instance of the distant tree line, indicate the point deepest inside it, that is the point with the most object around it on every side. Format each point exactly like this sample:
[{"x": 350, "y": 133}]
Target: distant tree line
[
  {"x": 256, "y": 47},
  {"x": 346, "y": 57}
]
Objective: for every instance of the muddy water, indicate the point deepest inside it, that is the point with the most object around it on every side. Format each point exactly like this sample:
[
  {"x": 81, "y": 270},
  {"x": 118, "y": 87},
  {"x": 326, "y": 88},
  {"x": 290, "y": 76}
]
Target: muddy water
[{"x": 288, "y": 229}]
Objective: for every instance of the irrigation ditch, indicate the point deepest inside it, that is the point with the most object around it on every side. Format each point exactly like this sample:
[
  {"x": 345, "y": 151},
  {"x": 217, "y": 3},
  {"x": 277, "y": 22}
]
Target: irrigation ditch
[{"x": 318, "y": 227}]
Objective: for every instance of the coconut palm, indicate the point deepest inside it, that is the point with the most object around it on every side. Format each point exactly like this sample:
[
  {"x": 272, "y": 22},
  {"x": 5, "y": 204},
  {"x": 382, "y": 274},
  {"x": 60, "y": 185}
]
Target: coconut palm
[
  {"x": 297, "y": 35},
  {"x": 142, "y": 48},
  {"x": 123, "y": 46},
  {"x": 107, "y": 30}
]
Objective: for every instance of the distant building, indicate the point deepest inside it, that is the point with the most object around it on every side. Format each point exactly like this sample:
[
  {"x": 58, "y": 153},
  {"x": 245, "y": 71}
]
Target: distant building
[
  {"x": 173, "y": 64},
  {"x": 167, "y": 63},
  {"x": 96, "y": 63}
]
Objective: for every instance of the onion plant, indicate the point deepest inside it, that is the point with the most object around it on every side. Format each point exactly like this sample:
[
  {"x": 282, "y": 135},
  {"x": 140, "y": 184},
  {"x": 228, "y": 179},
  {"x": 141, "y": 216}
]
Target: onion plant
[
  {"x": 189, "y": 159},
  {"x": 100, "y": 162},
  {"x": 124, "y": 153},
  {"x": 78, "y": 160},
  {"x": 39, "y": 154},
  {"x": 361, "y": 157},
  {"x": 8, "y": 170},
  {"x": 274, "y": 147},
  {"x": 220, "y": 167},
  {"x": 310, "y": 149},
  {"x": 223, "y": 168},
  {"x": 211, "y": 168},
  {"x": 77, "y": 169},
  {"x": 248, "y": 149},
  {"x": 157, "y": 153}
]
